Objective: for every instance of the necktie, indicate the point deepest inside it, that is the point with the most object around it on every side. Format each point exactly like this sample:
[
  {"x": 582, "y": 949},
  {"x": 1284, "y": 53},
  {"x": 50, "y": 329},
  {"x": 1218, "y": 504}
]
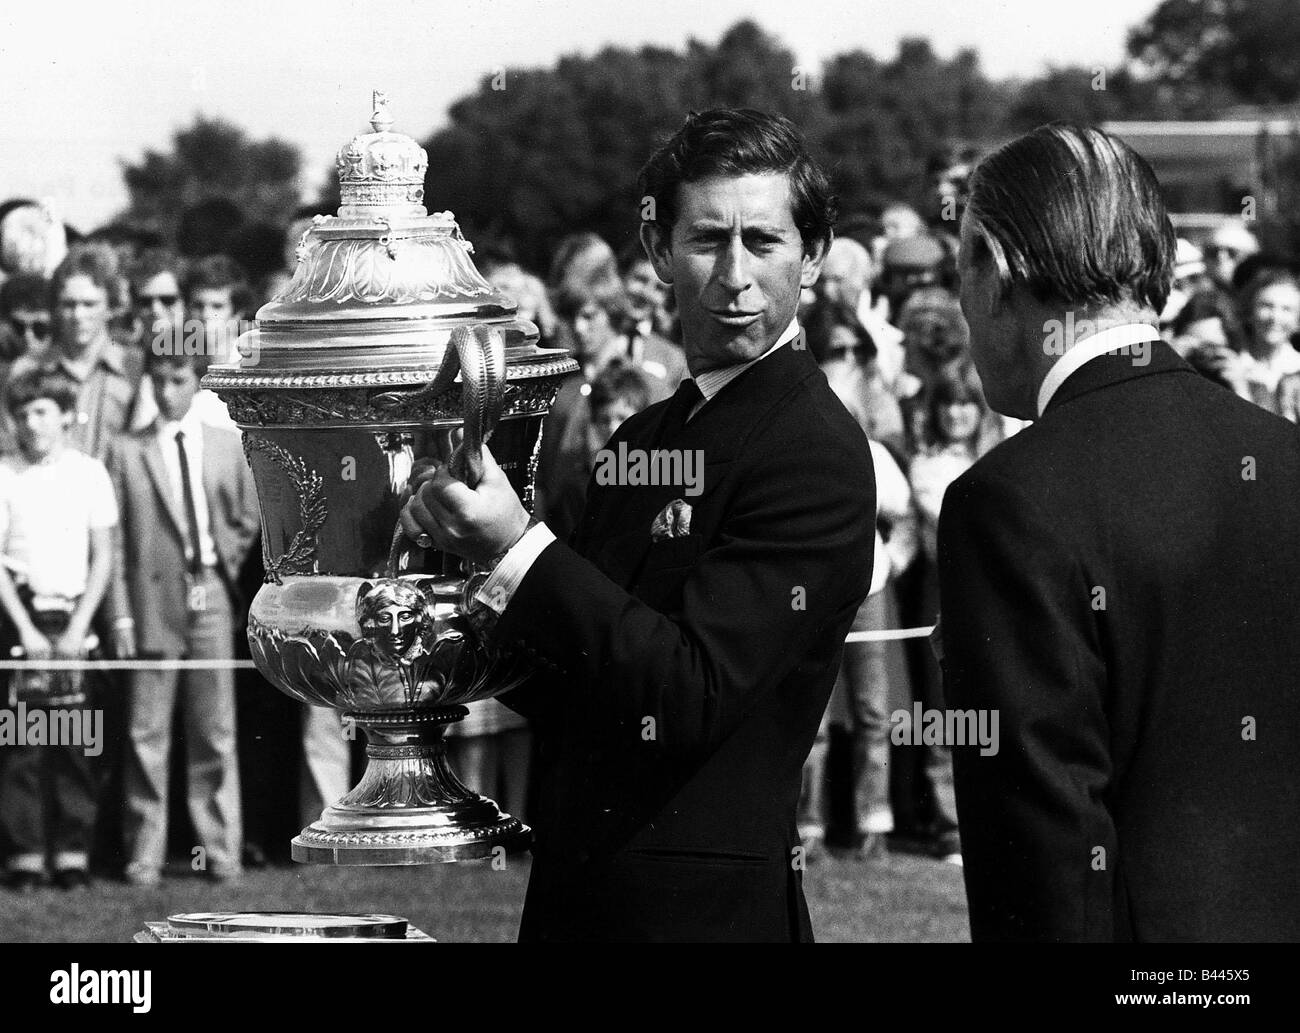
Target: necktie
[
  {"x": 679, "y": 410},
  {"x": 191, "y": 513}
]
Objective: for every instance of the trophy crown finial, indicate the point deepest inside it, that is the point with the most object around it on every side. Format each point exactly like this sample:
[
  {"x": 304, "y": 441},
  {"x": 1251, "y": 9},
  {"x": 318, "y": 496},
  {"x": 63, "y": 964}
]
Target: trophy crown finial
[
  {"x": 381, "y": 118},
  {"x": 382, "y": 168}
]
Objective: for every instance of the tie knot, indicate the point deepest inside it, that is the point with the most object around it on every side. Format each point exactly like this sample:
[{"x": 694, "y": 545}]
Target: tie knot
[{"x": 180, "y": 435}]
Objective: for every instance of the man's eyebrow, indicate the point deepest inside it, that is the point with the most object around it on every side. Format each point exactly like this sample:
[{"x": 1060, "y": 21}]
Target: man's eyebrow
[{"x": 707, "y": 225}]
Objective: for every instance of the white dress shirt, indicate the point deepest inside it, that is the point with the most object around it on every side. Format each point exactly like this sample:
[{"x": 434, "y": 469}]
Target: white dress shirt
[
  {"x": 500, "y": 586},
  {"x": 1089, "y": 348},
  {"x": 192, "y": 425}
]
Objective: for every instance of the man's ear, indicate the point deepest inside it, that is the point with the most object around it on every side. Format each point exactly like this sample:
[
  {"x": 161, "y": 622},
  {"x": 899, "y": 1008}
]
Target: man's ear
[
  {"x": 813, "y": 257},
  {"x": 658, "y": 248}
]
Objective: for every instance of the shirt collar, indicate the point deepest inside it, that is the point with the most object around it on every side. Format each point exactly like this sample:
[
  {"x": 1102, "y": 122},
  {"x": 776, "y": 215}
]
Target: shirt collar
[
  {"x": 189, "y": 423},
  {"x": 1089, "y": 348},
  {"x": 711, "y": 381},
  {"x": 107, "y": 354}
]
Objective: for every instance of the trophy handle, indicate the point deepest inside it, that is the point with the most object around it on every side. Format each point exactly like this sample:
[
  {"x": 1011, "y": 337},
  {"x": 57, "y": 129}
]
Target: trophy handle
[{"x": 480, "y": 352}]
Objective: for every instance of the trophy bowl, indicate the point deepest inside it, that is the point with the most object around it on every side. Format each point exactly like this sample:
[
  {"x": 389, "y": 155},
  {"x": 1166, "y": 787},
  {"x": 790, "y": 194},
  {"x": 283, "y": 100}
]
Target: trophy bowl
[{"x": 386, "y": 350}]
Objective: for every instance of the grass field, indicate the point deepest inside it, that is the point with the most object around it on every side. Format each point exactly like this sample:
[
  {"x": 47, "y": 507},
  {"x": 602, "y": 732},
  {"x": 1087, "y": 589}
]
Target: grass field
[{"x": 900, "y": 898}]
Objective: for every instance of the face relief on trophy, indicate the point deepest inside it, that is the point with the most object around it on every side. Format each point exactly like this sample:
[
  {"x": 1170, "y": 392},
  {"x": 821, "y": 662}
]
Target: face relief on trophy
[{"x": 390, "y": 614}]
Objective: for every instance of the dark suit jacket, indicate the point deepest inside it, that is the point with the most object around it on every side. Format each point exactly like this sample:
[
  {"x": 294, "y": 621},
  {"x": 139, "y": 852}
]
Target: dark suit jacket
[
  {"x": 1122, "y": 582},
  {"x": 693, "y": 672},
  {"x": 149, "y": 583}
]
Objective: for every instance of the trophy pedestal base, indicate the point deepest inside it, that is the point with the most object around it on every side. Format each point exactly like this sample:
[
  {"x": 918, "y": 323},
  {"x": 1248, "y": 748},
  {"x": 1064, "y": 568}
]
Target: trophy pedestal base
[
  {"x": 409, "y": 807},
  {"x": 433, "y": 844}
]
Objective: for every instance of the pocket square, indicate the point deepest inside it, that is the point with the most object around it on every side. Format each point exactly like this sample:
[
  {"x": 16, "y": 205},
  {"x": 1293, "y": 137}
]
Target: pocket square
[{"x": 673, "y": 521}]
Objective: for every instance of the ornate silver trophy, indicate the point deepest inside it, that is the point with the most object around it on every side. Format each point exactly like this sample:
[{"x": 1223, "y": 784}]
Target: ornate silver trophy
[{"x": 387, "y": 347}]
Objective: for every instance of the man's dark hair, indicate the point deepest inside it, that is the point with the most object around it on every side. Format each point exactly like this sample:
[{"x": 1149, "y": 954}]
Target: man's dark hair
[
  {"x": 24, "y": 290},
  {"x": 216, "y": 272},
  {"x": 739, "y": 142},
  {"x": 167, "y": 358},
  {"x": 493, "y": 255},
  {"x": 155, "y": 261},
  {"x": 1075, "y": 216},
  {"x": 619, "y": 380},
  {"x": 96, "y": 262},
  {"x": 39, "y": 383}
]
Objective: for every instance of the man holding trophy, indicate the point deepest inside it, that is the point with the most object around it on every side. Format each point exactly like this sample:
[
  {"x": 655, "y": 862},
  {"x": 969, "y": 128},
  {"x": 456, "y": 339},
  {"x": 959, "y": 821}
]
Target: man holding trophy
[{"x": 689, "y": 634}]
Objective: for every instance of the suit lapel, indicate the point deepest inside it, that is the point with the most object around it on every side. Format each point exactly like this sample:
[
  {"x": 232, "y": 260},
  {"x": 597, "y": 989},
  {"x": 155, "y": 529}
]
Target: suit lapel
[
  {"x": 153, "y": 461},
  {"x": 718, "y": 431}
]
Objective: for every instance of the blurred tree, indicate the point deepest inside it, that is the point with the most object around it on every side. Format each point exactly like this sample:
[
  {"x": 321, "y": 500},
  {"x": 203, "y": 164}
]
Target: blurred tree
[
  {"x": 536, "y": 154},
  {"x": 1085, "y": 96},
  {"x": 1208, "y": 53},
  {"x": 887, "y": 122},
  {"x": 212, "y": 161}
]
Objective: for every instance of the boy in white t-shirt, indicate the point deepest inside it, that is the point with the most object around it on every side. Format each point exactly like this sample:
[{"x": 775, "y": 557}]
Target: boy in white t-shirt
[{"x": 57, "y": 514}]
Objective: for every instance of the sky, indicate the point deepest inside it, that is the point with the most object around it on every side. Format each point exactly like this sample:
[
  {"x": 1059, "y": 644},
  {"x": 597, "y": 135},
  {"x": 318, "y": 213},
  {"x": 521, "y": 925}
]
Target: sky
[{"x": 84, "y": 86}]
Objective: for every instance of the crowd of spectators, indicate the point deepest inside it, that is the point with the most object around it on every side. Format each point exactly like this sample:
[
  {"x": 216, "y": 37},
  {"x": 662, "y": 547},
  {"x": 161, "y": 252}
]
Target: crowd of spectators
[{"x": 87, "y": 402}]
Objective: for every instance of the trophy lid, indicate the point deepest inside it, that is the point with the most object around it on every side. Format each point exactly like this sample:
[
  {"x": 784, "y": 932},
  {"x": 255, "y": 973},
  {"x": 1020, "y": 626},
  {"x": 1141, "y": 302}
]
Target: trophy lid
[
  {"x": 382, "y": 169},
  {"x": 380, "y": 287}
]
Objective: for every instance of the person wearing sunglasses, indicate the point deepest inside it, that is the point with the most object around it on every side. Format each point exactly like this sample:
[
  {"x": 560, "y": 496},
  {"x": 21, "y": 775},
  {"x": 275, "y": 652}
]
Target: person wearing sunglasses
[
  {"x": 156, "y": 293},
  {"x": 24, "y": 316},
  {"x": 158, "y": 310}
]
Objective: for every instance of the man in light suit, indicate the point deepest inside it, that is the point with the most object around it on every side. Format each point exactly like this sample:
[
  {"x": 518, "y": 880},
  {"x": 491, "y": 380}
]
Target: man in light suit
[
  {"x": 693, "y": 637},
  {"x": 189, "y": 514},
  {"x": 1120, "y": 583}
]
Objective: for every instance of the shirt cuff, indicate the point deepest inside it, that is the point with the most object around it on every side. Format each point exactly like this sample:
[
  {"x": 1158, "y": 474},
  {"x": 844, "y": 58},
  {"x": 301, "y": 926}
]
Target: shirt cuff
[{"x": 500, "y": 586}]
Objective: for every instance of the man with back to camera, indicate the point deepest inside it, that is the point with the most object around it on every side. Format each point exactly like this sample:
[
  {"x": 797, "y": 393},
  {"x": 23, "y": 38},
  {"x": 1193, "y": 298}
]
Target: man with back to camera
[
  {"x": 1120, "y": 582},
  {"x": 693, "y": 638}
]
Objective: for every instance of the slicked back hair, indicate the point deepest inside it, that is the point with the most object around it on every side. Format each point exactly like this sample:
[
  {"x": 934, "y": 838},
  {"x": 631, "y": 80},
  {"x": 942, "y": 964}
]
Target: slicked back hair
[
  {"x": 740, "y": 142},
  {"x": 1075, "y": 216}
]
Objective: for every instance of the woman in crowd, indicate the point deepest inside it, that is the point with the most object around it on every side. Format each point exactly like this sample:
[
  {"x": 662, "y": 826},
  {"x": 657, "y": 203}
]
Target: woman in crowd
[
  {"x": 1267, "y": 370},
  {"x": 851, "y": 368},
  {"x": 954, "y": 418}
]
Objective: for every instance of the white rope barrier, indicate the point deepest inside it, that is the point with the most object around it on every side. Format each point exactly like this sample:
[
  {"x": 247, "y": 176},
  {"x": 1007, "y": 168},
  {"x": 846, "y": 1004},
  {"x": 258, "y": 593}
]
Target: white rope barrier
[
  {"x": 889, "y": 634},
  {"x": 127, "y": 665},
  {"x": 886, "y": 635}
]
